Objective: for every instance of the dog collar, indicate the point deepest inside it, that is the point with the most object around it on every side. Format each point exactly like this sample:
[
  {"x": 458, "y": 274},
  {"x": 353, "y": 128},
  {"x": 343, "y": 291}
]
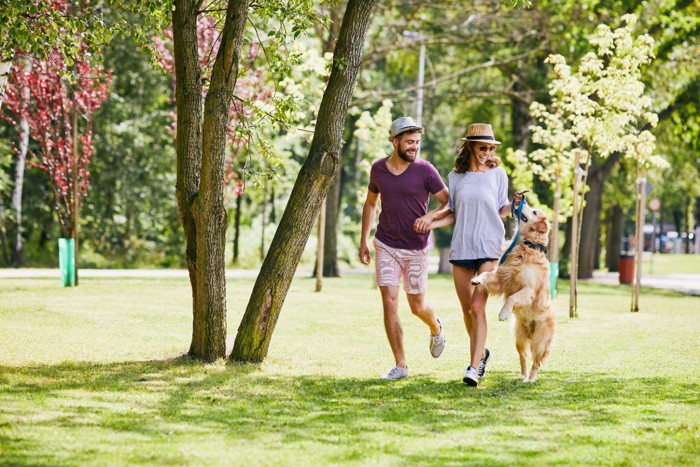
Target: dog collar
[{"x": 536, "y": 246}]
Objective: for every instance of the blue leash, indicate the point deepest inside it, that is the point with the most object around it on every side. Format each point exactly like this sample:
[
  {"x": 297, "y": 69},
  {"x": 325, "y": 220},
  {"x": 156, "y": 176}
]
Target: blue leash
[{"x": 517, "y": 233}]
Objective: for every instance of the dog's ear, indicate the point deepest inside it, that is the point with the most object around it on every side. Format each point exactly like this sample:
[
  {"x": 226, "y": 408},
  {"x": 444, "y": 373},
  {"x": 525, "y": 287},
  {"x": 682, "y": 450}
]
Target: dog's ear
[{"x": 541, "y": 226}]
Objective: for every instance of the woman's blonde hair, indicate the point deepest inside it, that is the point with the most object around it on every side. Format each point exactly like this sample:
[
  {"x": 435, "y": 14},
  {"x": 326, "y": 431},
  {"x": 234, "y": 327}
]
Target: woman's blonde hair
[{"x": 466, "y": 152}]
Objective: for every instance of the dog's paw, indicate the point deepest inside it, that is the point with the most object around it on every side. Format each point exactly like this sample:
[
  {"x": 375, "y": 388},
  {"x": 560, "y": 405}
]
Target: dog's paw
[
  {"x": 505, "y": 313},
  {"x": 530, "y": 378}
]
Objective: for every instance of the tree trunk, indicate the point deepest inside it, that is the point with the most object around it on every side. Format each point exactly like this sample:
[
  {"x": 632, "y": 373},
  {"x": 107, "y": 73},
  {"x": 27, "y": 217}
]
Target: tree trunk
[
  {"x": 188, "y": 88},
  {"x": 598, "y": 173},
  {"x": 237, "y": 228},
  {"x": 565, "y": 257},
  {"x": 264, "y": 222},
  {"x": 319, "y": 258},
  {"x": 554, "y": 235},
  {"x": 330, "y": 235},
  {"x": 598, "y": 248},
  {"x": 18, "y": 252},
  {"x": 333, "y": 198},
  {"x": 5, "y": 69},
  {"x": 590, "y": 226},
  {"x": 613, "y": 239},
  {"x": 209, "y": 212},
  {"x": 520, "y": 115},
  {"x": 256, "y": 328},
  {"x": 330, "y": 243}
]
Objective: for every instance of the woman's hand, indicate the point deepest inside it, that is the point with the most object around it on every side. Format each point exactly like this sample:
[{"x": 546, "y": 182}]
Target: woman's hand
[
  {"x": 422, "y": 224},
  {"x": 518, "y": 196}
]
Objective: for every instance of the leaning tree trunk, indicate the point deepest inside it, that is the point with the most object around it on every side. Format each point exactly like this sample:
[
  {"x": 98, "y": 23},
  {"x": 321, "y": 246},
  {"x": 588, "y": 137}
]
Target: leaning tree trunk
[
  {"x": 188, "y": 92},
  {"x": 209, "y": 211},
  {"x": 277, "y": 271}
]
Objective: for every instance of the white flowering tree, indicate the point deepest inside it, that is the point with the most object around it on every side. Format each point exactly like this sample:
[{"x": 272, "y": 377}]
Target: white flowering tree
[{"x": 599, "y": 112}]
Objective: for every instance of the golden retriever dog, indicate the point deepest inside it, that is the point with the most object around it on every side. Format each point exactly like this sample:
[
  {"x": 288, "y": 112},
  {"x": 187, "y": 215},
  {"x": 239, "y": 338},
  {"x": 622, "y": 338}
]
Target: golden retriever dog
[{"x": 523, "y": 280}]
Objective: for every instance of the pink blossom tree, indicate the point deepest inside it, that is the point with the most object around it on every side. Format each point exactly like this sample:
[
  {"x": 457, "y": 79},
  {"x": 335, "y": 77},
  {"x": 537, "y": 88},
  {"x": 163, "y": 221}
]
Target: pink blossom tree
[{"x": 58, "y": 101}]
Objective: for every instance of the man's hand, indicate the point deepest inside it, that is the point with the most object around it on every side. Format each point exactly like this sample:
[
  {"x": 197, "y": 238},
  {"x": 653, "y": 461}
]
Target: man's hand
[
  {"x": 364, "y": 253},
  {"x": 422, "y": 224}
]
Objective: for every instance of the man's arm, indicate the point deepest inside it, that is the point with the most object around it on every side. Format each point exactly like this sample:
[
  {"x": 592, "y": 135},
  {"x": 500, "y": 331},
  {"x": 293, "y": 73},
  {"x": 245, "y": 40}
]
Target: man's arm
[
  {"x": 368, "y": 212},
  {"x": 423, "y": 223}
]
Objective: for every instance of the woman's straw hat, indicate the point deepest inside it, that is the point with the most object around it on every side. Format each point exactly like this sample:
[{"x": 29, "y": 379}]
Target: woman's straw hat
[{"x": 481, "y": 132}]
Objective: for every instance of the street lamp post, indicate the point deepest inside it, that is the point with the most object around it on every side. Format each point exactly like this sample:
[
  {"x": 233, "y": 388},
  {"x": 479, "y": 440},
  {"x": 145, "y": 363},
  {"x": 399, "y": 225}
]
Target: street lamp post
[{"x": 421, "y": 71}]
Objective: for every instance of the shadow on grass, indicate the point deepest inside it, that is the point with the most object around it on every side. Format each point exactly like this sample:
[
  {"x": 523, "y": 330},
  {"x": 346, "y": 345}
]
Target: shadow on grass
[{"x": 181, "y": 396}]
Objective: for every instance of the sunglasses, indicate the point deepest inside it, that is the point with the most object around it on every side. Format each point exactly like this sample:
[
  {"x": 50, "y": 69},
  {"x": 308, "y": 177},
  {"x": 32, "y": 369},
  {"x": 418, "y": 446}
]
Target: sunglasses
[{"x": 487, "y": 148}]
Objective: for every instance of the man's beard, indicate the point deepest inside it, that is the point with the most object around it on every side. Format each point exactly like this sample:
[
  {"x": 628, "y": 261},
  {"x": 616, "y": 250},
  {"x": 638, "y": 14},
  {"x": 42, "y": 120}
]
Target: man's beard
[{"x": 404, "y": 155}]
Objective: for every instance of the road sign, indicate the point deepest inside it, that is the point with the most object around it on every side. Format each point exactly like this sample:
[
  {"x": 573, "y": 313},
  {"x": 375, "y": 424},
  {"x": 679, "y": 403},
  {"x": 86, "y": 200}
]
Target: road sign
[{"x": 654, "y": 204}]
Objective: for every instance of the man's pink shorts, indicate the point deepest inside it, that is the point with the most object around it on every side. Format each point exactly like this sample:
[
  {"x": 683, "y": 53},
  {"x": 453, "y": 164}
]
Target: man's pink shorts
[{"x": 393, "y": 263}]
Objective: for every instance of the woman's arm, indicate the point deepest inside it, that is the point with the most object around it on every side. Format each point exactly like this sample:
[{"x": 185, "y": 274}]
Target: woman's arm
[
  {"x": 446, "y": 221},
  {"x": 505, "y": 210}
]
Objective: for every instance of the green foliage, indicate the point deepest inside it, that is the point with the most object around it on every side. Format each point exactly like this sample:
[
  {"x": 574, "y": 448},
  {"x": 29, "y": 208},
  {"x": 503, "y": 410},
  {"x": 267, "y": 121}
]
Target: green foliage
[
  {"x": 481, "y": 60},
  {"x": 130, "y": 216},
  {"x": 68, "y": 398},
  {"x": 597, "y": 108},
  {"x": 34, "y": 26},
  {"x": 6, "y": 157}
]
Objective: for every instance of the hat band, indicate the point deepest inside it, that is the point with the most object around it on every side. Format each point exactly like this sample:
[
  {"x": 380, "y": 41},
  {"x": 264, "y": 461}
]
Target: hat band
[{"x": 490, "y": 138}]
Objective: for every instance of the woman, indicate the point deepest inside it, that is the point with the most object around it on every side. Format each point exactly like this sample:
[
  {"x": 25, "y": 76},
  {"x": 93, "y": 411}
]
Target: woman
[{"x": 478, "y": 200}]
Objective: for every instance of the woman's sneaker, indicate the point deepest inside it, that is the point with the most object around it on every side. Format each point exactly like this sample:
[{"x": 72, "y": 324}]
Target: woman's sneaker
[
  {"x": 483, "y": 362},
  {"x": 396, "y": 373},
  {"x": 471, "y": 377}
]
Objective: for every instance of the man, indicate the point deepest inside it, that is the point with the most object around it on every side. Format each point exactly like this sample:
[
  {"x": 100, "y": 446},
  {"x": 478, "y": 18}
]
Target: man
[{"x": 404, "y": 182}]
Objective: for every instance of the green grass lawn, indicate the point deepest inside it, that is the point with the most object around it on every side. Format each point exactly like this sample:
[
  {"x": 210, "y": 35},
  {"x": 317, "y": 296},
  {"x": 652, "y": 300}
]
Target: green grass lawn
[
  {"x": 95, "y": 375},
  {"x": 670, "y": 264}
]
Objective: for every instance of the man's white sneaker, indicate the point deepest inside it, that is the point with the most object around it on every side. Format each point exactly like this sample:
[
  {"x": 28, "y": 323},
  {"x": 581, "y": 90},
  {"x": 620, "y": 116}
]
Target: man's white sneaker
[
  {"x": 437, "y": 343},
  {"x": 396, "y": 373},
  {"x": 470, "y": 377}
]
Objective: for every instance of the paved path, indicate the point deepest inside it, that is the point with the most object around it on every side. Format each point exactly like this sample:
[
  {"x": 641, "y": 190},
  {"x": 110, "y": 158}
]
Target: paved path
[
  {"x": 685, "y": 283},
  {"x": 688, "y": 284}
]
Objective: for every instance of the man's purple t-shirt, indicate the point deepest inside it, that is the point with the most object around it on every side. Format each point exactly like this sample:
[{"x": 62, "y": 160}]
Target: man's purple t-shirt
[{"x": 404, "y": 199}]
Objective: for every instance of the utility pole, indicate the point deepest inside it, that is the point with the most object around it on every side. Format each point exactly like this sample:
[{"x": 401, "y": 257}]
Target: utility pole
[{"x": 421, "y": 73}]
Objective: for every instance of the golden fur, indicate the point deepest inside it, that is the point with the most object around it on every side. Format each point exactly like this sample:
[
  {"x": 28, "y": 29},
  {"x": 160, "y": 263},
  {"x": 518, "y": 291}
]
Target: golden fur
[{"x": 523, "y": 280}]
